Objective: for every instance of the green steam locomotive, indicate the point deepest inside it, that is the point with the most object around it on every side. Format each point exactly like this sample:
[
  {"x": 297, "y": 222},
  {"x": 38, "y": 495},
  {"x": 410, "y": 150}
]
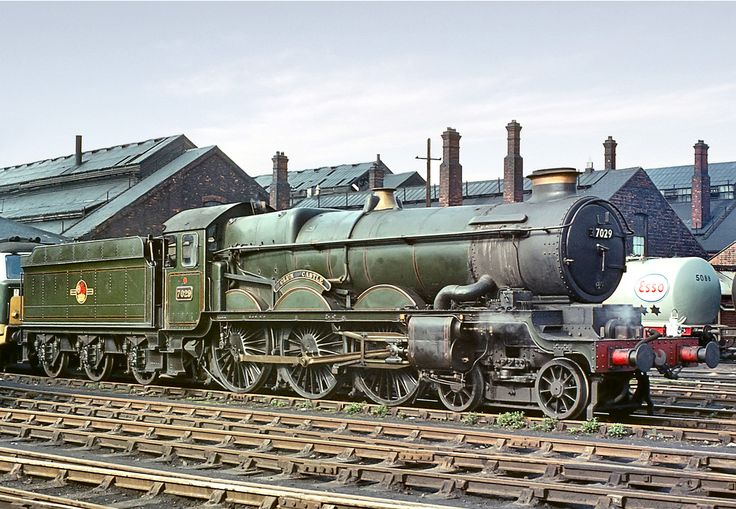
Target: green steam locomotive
[{"x": 491, "y": 303}]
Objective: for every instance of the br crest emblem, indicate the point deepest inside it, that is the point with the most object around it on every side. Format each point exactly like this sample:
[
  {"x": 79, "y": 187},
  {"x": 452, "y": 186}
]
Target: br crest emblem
[{"x": 81, "y": 291}]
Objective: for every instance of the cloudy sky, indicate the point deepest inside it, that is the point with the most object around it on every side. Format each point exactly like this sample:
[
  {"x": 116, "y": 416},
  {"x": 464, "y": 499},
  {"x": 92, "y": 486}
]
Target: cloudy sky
[{"x": 332, "y": 83}]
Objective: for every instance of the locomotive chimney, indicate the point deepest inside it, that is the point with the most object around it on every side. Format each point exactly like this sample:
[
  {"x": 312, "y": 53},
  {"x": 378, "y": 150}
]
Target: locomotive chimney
[
  {"x": 513, "y": 166},
  {"x": 451, "y": 172},
  {"x": 700, "y": 187},
  {"x": 376, "y": 174},
  {"x": 280, "y": 189},
  {"x": 553, "y": 184},
  {"x": 78, "y": 150},
  {"x": 609, "y": 154}
]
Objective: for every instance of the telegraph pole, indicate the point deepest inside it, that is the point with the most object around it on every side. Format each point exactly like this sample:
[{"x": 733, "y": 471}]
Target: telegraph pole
[{"x": 429, "y": 160}]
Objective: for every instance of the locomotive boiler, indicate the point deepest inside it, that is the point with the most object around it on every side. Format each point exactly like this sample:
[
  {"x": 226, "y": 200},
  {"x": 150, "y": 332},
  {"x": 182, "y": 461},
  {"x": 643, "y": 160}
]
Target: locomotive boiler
[{"x": 490, "y": 303}]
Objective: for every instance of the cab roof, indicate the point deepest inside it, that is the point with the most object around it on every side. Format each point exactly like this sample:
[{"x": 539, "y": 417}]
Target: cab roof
[{"x": 202, "y": 218}]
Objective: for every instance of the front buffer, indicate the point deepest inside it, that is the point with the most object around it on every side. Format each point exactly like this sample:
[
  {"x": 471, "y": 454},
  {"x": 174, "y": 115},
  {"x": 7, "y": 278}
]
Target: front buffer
[{"x": 615, "y": 359}]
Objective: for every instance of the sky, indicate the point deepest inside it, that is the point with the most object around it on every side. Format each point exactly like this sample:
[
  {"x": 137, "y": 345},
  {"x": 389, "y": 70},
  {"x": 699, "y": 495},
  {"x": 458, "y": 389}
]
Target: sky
[{"x": 332, "y": 83}]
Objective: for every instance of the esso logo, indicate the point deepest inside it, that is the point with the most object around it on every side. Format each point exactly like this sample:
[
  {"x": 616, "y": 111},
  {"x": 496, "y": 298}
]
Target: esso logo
[{"x": 652, "y": 287}]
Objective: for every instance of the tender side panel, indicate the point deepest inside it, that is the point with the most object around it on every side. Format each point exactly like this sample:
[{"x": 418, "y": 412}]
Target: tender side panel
[{"x": 90, "y": 283}]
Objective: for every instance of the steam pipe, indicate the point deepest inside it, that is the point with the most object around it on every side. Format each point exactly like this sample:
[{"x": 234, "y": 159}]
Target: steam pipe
[{"x": 460, "y": 293}]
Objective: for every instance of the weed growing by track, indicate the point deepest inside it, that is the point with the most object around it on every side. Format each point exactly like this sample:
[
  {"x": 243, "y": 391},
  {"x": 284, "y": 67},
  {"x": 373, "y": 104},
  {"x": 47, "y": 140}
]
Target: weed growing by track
[
  {"x": 547, "y": 425},
  {"x": 511, "y": 420},
  {"x": 617, "y": 430},
  {"x": 380, "y": 411},
  {"x": 355, "y": 408},
  {"x": 471, "y": 419},
  {"x": 588, "y": 427}
]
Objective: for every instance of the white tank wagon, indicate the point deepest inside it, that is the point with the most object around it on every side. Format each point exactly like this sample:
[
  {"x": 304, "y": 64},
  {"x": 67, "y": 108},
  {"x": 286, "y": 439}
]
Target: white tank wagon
[{"x": 677, "y": 296}]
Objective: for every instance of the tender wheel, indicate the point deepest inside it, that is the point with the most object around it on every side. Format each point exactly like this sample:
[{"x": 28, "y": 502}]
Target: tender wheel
[
  {"x": 465, "y": 395},
  {"x": 53, "y": 360},
  {"x": 138, "y": 365},
  {"x": 97, "y": 364},
  {"x": 317, "y": 380},
  {"x": 234, "y": 375},
  {"x": 561, "y": 389}
]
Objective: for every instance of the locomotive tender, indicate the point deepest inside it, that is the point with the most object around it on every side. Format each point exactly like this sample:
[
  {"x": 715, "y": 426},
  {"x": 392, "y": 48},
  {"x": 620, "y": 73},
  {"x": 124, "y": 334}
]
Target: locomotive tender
[{"x": 494, "y": 303}]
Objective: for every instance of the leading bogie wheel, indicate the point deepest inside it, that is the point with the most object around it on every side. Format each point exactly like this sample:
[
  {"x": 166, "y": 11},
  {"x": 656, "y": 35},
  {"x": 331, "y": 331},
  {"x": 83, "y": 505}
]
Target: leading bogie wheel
[
  {"x": 232, "y": 373},
  {"x": 562, "y": 389},
  {"x": 464, "y": 395}
]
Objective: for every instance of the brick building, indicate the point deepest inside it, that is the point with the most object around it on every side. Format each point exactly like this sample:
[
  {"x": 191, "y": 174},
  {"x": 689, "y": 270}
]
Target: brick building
[
  {"x": 122, "y": 190},
  {"x": 704, "y": 196}
]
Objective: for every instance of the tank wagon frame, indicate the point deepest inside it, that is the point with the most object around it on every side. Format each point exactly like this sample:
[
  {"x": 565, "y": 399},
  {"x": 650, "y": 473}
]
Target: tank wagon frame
[{"x": 487, "y": 303}]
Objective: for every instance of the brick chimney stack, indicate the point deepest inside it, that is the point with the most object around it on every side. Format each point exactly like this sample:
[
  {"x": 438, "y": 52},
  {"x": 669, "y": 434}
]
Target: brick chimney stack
[
  {"x": 451, "y": 171},
  {"x": 280, "y": 190},
  {"x": 376, "y": 174},
  {"x": 700, "y": 187},
  {"x": 609, "y": 154},
  {"x": 513, "y": 166},
  {"x": 78, "y": 150}
]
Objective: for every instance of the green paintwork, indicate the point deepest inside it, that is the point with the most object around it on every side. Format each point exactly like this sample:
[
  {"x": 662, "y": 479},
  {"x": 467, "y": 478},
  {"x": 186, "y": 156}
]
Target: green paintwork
[
  {"x": 6, "y": 291},
  {"x": 386, "y": 297},
  {"x": 118, "y": 283},
  {"x": 423, "y": 266},
  {"x": 302, "y": 299},
  {"x": 184, "y": 298},
  {"x": 242, "y": 300},
  {"x": 202, "y": 218}
]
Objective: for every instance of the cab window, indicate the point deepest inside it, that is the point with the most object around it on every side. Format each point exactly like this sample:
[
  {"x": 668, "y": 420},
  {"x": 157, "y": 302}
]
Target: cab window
[
  {"x": 170, "y": 250},
  {"x": 188, "y": 250},
  {"x": 12, "y": 266}
]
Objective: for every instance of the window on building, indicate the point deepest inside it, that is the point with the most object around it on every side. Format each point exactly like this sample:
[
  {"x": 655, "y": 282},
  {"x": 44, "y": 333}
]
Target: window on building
[
  {"x": 678, "y": 195},
  {"x": 639, "y": 239},
  {"x": 725, "y": 192},
  {"x": 637, "y": 245},
  {"x": 188, "y": 250}
]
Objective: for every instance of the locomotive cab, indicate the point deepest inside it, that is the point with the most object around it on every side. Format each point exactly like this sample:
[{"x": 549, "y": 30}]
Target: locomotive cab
[{"x": 192, "y": 280}]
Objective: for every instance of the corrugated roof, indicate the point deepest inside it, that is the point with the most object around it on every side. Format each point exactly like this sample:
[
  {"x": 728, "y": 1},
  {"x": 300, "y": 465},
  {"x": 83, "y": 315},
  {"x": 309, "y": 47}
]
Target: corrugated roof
[
  {"x": 118, "y": 156},
  {"x": 603, "y": 183},
  {"x": 680, "y": 177},
  {"x": 136, "y": 192},
  {"x": 11, "y": 229},
  {"x": 324, "y": 177},
  {"x": 397, "y": 180},
  {"x": 71, "y": 198}
]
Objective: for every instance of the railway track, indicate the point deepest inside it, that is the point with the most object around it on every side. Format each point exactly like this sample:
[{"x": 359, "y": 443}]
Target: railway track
[
  {"x": 123, "y": 486},
  {"x": 697, "y": 423},
  {"x": 325, "y": 446},
  {"x": 425, "y": 459}
]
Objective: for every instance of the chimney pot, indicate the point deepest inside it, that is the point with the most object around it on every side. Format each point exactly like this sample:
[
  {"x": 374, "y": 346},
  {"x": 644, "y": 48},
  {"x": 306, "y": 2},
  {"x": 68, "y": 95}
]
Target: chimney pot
[
  {"x": 609, "y": 153},
  {"x": 376, "y": 174},
  {"x": 451, "y": 171},
  {"x": 513, "y": 166},
  {"x": 280, "y": 191},
  {"x": 78, "y": 150},
  {"x": 700, "y": 191}
]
